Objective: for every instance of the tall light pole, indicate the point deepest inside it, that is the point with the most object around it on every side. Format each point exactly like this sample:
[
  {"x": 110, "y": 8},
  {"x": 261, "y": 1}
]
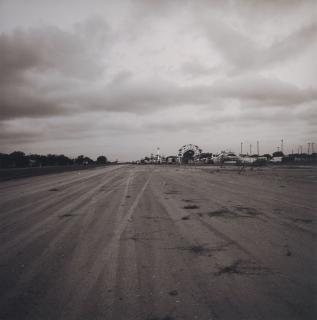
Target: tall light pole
[
  {"x": 250, "y": 149},
  {"x": 282, "y": 145},
  {"x": 158, "y": 155},
  {"x": 258, "y": 147},
  {"x": 241, "y": 146}
]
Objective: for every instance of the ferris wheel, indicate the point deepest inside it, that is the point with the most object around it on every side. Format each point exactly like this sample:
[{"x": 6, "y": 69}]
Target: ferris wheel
[{"x": 189, "y": 151}]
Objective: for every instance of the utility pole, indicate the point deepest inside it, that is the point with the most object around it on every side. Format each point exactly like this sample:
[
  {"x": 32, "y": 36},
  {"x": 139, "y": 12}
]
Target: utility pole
[
  {"x": 301, "y": 149},
  {"x": 250, "y": 149},
  {"x": 158, "y": 155},
  {"x": 258, "y": 147},
  {"x": 312, "y": 147},
  {"x": 282, "y": 145},
  {"x": 241, "y": 147},
  {"x": 308, "y": 147}
]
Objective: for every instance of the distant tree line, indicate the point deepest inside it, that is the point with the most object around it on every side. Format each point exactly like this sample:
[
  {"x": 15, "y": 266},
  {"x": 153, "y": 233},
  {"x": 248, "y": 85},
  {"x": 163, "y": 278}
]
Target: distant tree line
[{"x": 19, "y": 159}]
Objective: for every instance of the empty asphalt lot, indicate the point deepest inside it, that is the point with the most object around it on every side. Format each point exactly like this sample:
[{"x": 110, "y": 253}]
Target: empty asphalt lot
[{"x": 154, "y": 243}]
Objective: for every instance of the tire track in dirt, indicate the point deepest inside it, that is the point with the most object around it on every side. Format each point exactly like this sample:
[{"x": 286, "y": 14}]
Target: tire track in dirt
[
  {"x": 47, "y": 197},
  {"x": 33, "y": 187},
  {"x": 105, "y": 272},
  {"x": 33, "y": 271},
  {"x": 68, "y": 206},
  {"x": 127, "y": 253},
  {"x": 286, "y": 280},
  {"x": 153, "y": 274},
  {"x": 262, "y": 198}
]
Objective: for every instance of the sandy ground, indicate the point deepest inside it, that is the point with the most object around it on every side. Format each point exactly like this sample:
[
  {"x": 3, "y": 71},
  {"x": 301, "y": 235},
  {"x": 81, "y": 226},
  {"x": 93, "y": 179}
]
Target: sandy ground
[{"x": 160, "y": 243}]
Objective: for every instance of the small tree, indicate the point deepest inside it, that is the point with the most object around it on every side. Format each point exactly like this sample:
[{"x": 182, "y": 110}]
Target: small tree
[
  {"x": 87, "y": 161},
  {"x": 102, "y": 160},
  {"x": 18, "y": 159},
  {"x": 278, "y": 154},
  {"x": 79, "y": 160}
]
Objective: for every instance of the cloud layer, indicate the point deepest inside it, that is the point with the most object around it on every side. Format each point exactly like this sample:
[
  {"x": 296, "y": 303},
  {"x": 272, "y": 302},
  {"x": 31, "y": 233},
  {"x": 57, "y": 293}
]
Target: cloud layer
[{"x": 136, "y": 73}]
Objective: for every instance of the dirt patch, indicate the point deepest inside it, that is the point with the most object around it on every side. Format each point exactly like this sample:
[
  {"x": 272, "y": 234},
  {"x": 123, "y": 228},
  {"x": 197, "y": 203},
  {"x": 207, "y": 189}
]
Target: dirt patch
[
  {"x": 171, "y": 192},
  {"x": 220, "y": 247},
  {"x": 221, "y": 213},
  {"x": 154, "y": 218},
  {"x": 302, "y": 220},
  {"x": 158, "y": 318},
  {"x": 67, "y": 215},
  {"x": 173, "y": 293},
  {"x": 128, "y": 196},
  {"x": 191, "y": 206},
  {"x": 238, "y": 212},
  {"x": 197, "y": 249},
  {"x": 232, "y": 268},
  {"x": 188, "y": 200},
  {"x": 135, "y": 238},
  {"x": 288, "y": 252},
  {"x": 53, "y": 189},
  {"x": 243, "y": 268},
  {"x": 186, "y": 218},
  {"x": 246, "y": 211}
]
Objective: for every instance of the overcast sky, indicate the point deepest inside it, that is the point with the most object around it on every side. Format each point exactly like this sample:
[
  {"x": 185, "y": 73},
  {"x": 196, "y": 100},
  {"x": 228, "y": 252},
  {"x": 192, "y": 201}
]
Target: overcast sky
[{"x": 122, "y": 78}]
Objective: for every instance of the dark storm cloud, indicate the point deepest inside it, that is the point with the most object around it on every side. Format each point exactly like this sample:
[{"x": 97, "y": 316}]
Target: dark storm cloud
[
  {"x": 31, "y": 58},
  {"x": 48, "y": 49},
  {"x": 14, "y": 133},
  {"x": 18, "y": 102}
]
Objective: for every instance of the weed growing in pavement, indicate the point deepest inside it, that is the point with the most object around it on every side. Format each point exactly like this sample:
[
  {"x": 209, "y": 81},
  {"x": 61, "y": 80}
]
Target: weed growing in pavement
[
  {"x": 171, "y": 192},
  {"x": 221, "y": 213},
  {"x": 246, "y": 211},
  {"x": 303, "y": 220},
  {"x": 243, "y": 268},
  {"x": 66, "y": 215},
  {"x": 232, "y": 268},
  {"x": 158, "y": 318},
  {"x": 173, "y": 293},
  {"x": 191, "y": 206},
  {"x": 240, "y": 212},
  {"x": 197, "y": 249}
]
